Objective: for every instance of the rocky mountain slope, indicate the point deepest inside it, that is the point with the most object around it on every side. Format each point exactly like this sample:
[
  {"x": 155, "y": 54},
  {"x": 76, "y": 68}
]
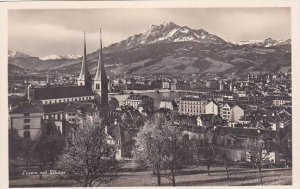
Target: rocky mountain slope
[{"x": 169, "y": 48}]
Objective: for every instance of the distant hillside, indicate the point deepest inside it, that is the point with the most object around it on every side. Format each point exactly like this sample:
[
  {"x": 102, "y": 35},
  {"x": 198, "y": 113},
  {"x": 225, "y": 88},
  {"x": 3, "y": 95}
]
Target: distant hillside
[{"x": 169, "y": 48}]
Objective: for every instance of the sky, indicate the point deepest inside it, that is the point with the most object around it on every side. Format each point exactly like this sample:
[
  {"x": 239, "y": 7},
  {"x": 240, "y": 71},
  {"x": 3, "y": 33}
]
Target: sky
[{"x": 60, "y": 32}]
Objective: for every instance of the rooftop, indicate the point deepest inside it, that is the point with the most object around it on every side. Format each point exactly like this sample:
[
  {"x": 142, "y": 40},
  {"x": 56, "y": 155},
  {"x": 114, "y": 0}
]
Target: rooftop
[{"x": 50, "y": 92}]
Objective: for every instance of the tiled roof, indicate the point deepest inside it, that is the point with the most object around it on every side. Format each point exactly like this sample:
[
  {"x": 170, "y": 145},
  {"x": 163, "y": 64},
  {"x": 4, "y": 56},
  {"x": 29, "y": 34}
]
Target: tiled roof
[
  {"x": 61, "y": 92},
  {"x": 87, "y": 106},
  {"x": 26, "y": 108},
  {"x": 244, "y": 107},
  {"x": 193, "y": 99},
  {"x": 242, "y": 132},
  {"x": 139, "y": 97},
  {"x": 70, "y": 107},
  {"x": 50, "y": 108}
]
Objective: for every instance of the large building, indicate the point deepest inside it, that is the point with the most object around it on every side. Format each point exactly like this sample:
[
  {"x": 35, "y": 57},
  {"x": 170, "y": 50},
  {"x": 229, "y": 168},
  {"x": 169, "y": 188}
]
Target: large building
[
  {"x": 26, "y": 119},
  {"x": 53, "y": 102},
  {"x": 137, "y": 100},
  {"x": 87, "y": 89},
  {"x": 192, "y": 105}
]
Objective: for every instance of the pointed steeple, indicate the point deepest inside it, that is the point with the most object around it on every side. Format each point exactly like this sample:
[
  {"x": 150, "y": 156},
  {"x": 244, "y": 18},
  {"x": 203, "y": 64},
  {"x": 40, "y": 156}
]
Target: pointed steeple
[
  {"x": 100, "y": 85},
  {"x": 84, "y": 77},
  {"x": 100, "y": 74},
  {"x": 48, "y": 78}
]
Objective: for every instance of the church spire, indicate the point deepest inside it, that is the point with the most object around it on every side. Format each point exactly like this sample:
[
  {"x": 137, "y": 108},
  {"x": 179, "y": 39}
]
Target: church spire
[
  {"x": 84, "y": 77},
  {"x": 48, "y": 78},
  {"x": 100, "y": 85},
  {"x": 100, "y": 74}
]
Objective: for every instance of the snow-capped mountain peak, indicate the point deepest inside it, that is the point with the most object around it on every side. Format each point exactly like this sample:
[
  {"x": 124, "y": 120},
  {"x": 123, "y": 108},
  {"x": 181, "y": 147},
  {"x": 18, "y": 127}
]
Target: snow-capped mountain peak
[
  {"x": 16, "y": 54},
  {"x": 168, "y": 32},
  {"x": 269, "y": 42},
  {"x": 58, "y": 57}
]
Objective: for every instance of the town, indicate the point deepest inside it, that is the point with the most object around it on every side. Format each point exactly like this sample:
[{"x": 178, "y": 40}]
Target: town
[{"x": 230, "y": 108}]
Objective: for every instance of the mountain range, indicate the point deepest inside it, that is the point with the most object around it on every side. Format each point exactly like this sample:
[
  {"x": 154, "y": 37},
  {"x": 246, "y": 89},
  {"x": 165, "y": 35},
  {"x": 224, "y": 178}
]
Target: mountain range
[{"x": 172, "y": 49}]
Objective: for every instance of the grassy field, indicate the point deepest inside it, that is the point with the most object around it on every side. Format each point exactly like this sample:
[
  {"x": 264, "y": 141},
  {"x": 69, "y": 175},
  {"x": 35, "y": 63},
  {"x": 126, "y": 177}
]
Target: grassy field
[{"x": 187, "y": 177}]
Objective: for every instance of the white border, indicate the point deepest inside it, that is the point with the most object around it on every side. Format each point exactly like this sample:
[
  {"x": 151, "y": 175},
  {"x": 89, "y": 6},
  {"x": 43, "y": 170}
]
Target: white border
[{"x": 294, "y": 4}]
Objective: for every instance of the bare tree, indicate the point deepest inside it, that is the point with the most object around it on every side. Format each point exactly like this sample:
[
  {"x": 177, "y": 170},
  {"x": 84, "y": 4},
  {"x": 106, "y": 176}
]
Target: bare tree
[
  {"x": 89, "y": 158},
  {"x": 255, "y": 152},
  {"x": 224, "y": 157},
  {"x": 204, "y": 150}
]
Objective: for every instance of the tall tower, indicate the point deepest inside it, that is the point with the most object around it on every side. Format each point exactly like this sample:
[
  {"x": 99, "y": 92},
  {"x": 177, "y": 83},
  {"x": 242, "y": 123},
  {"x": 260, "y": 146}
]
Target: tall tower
[
  {"x": 100, "y": 85},
  {"x": 221, "y": 85},
  {"x": 84, "y": 78},
  {"x": 48, "y": 78}
]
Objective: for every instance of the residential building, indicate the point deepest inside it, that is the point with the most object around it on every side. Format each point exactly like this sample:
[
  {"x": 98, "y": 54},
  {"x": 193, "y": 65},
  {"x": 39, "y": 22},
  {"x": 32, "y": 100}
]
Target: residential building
[
  {"x": 208, "y": 120},
  {"x": 136, "y": 100},
  {"x": 192, "y": 105},
  {"x": 165, "y": 85},
  {"x": 168, "y": 104},
  {"x": 211, "y": 108},
  {"x": 238, "y": 112},
  {"x": 225, "y": 111},
  {"x": 26, "y": 119}
]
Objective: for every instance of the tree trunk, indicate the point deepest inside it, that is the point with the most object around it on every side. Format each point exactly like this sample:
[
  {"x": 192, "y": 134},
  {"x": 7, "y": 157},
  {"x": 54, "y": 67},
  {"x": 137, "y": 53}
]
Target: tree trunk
[
  {"x": 40, "y": 170},
  {"x": 208, "y": 171},
  {"x": 158, "y": 177},
  {"x": 285, "y": 163},
  {"x": 90, "y": 184},
  {"x": 227, "y": 172},
  {"x": 173, "y": 178},
  {"x": 259, "y": 170}
]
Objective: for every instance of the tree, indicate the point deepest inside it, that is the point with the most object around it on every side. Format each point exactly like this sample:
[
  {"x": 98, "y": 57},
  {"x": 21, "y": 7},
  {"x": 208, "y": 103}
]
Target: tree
[
  {"x": 15, "y": 144},
  {"x": 47, "y": 147},
  {"x": 255, "y": 152},
  {"x": 204, "y": 150},
  {"x": 224, "y": 157},
  {"x": 159, "y": 146},
  {"x": 284, "y": 143},
  {"x": 89, "y": 159}
]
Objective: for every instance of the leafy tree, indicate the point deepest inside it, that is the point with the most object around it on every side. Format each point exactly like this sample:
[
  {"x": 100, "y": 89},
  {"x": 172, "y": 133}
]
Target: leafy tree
[
  {"x": 159, "y": 145},
  {"x": 89, "y": 159},
  {"x": 15, "y": 144},
  {"x": 255, "y": 152},
  {"x": 47, "y": 147},
  {"x": 284, "y": 143}
]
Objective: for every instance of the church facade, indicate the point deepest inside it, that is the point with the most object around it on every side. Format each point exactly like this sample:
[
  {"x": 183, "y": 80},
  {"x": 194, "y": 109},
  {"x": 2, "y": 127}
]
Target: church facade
[
  {"x": 87, "y": 89},
  {"x": 54, "y": 102}
]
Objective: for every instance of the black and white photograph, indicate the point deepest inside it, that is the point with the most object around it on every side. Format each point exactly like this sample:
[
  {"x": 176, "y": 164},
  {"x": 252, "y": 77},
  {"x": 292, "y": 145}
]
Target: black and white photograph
[{"x": 149, "y": 96}]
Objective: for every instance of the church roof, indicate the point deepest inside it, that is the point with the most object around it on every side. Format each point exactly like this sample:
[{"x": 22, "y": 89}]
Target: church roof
[
  {"x": 51, "y": 108},
  {"x": 61, "y": 92}
]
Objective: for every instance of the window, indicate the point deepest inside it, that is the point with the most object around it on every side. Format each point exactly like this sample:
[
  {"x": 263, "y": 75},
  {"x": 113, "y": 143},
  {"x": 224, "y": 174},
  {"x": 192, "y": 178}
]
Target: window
[
  {"x": 26, "y": 114},
  {"x": 26, "y": 134},
  {"x": 26, "y": 120},
  {"x": 26, "y": 126}
]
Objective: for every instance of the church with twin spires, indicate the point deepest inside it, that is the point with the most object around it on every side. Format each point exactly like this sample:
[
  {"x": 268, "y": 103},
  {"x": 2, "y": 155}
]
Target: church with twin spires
[
  {"x": 54, "y": 99},
  {"x": 99, "y": 84}
]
